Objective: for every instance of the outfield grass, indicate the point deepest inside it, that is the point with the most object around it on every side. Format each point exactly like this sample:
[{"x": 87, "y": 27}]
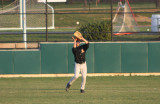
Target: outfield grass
[
  {"x": 137, "y": 37},
  {"x": 99, "y": 90},
  {"x": 103, "y": 5},
  {"x": 68, "y": 37}
]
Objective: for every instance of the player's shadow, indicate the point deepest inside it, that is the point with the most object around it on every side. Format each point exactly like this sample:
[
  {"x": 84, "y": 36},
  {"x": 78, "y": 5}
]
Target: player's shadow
[{"x": 56, "y": 90}]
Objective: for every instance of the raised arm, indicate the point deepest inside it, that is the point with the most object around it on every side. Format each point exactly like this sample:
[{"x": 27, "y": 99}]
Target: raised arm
[
  {"x": 74, "y": 45},
  {"x": 83, "y": 39}
]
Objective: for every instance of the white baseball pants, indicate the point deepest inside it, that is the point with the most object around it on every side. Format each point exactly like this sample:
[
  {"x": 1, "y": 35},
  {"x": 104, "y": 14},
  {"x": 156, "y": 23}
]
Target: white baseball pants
[{"x": 77, "y": 69}]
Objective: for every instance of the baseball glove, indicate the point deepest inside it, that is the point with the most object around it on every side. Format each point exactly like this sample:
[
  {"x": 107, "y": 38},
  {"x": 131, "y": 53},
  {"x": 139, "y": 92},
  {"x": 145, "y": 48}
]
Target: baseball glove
[{"x": 78, "y": 35}]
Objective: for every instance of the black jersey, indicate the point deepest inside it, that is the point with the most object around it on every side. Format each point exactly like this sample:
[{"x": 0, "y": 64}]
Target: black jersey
[{"x": 79, "y": 53}]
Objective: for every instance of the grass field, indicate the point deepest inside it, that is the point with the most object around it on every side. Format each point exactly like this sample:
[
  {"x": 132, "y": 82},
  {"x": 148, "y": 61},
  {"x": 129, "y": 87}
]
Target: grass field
[{"x": 99, "y": 90}]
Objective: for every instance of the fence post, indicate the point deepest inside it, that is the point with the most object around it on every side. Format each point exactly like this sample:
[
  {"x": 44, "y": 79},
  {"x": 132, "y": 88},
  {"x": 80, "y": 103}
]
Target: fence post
[
  {"x": 46, "y": 22},
  {"x": 2, "y": 4},
  {"x": 111, "y": 20}
]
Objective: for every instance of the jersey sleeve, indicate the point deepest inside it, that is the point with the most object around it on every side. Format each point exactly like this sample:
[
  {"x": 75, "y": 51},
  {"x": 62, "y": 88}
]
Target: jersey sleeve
[
  {"x": 86, "y": 46},
  {"x": 73, "y": 50}
]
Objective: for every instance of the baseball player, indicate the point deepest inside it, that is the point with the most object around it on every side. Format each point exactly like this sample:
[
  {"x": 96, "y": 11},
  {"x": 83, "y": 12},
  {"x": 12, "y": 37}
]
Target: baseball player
[{"x": 80, "y": 62}]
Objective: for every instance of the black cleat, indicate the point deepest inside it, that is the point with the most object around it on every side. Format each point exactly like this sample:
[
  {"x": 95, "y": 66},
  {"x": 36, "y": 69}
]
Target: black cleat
[
  {"x": 82, "y": 91},
  {"x": 67, "y": 87}
]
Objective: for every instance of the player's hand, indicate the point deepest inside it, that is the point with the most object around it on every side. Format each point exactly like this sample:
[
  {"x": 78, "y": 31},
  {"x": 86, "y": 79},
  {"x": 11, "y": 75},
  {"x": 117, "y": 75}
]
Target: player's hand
[{"x": 74, "y": 38}]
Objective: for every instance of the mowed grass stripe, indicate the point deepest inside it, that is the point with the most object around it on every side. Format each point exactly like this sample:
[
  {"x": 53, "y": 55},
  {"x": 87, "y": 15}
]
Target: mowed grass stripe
[{"x": 99, "y": 90}]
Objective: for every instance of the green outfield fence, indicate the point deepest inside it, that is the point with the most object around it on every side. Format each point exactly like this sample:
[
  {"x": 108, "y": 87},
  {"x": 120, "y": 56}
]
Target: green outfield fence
[
  {"x": 56, "y": 23},
  {"x": 57, "y": 58},
  {"x": 66, "y": 15}
]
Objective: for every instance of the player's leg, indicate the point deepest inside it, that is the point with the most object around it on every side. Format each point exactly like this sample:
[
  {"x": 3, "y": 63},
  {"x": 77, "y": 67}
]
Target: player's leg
[
  {"x": 84, "y": 74},
  {"x": 76, "y": 75}
]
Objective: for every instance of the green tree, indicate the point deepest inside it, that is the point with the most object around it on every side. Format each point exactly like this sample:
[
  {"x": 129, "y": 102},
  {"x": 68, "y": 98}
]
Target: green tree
[
  {"x": 85, "y": 3},
  {"x": 157, "y": 3},
  {"x": 99, "y": 31},
  {"x": 97, "y": 2},
  {"x": 69, "y": 2}
]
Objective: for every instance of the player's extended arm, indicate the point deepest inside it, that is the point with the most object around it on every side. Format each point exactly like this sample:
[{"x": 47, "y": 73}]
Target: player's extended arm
[
  {"x": 86, "y": 41},
  {"x": 74, "y": 45}
]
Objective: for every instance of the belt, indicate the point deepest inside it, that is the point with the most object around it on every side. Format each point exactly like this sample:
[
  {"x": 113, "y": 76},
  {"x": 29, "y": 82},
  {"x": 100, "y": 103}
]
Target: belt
[{"x": 80, "y": 62}]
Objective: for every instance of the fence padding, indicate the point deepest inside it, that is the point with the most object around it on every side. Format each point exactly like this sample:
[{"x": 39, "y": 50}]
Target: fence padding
[{"x": 55, "y": 58}]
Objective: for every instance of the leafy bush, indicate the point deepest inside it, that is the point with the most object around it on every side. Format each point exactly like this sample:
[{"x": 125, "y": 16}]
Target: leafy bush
[{"x": 96, "y": 31}]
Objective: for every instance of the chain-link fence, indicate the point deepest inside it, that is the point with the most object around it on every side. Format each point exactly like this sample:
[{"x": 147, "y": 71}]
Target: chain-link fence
[{"x": 132, "y": 20}]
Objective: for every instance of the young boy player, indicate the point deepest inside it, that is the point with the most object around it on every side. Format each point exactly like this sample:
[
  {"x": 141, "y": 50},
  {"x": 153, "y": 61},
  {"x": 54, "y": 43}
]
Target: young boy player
[{"x": 80, "y": 62}]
